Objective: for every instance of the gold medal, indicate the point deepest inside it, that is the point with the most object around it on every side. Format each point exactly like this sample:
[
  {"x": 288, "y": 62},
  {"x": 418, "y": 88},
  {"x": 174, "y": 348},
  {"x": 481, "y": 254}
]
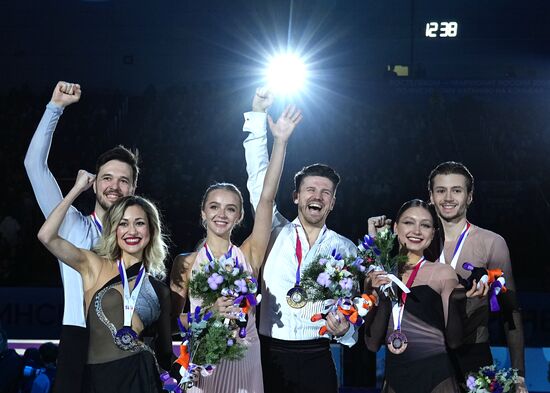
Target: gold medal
[{"x": 296, "y": 297}]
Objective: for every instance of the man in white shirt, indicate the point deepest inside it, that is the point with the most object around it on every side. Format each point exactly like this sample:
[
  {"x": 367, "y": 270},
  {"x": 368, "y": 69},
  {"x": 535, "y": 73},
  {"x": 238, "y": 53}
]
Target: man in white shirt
[
  {"x": 117, "y": 172},
  {"x": 294, "y": 357}
]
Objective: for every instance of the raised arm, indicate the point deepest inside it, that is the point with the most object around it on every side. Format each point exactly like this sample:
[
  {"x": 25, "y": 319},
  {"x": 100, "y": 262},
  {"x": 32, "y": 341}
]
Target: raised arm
[
  {"x": 377, "y": 224},
  {"x": 255, "y": 148},
  {"x": 43, "y": 183},
  {"x": 65, "y": 251},
  {"x": 282, "y": 130}
]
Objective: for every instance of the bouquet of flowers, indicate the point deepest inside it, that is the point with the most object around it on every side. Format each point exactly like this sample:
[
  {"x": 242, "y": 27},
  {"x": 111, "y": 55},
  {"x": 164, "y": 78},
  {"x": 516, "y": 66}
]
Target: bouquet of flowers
[
  {"x": 226, "y": 277},
  {"x": 335, "y": 281},
  {"x": 377, "y": 254},
  {"x": 490, "y": 379},
  {"x": 205, "y": 342}
]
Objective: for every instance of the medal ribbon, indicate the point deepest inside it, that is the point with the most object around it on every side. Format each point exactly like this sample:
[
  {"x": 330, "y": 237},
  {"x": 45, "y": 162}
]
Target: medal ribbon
[
  {"x": 398, "y": 309},
  {"x": 458, "y": 248},
  {"x": 129, "y": 300},
  {"x": 299, "y": 250},
  {"x": 228, "y": 254},
  {"x": 96, "y": 221},
  {"x": 298, "y": 256}
]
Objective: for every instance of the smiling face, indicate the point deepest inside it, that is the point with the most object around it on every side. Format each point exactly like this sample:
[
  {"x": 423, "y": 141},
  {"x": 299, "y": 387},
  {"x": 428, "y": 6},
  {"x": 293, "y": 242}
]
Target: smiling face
[
  {"x": 114, "y": 180},
  {"x": 221, "y": 212},
  {"x": 415, "y": 229},
  {"x": 315, "y": 200},
  {"x": 133, "y": 232},
  {"x": 450, "y": 197}
]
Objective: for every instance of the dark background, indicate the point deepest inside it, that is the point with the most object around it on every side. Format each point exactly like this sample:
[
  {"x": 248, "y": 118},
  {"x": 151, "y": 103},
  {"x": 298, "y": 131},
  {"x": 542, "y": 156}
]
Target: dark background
[{"x": 173, "y": 78}]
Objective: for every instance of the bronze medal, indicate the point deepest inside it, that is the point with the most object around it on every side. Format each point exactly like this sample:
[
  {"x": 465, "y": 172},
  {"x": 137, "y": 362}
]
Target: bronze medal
[{"x": 397, "y": 342}]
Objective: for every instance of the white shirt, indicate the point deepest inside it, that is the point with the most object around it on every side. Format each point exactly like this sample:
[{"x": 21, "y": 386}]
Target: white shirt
[
  {"x": 76, "y": 228},
  {"x": 277, "y": 318}
]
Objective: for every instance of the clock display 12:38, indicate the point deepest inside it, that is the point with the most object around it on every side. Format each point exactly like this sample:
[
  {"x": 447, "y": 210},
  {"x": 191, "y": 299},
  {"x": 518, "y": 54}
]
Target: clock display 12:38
[{"x": 441, "y": 29}]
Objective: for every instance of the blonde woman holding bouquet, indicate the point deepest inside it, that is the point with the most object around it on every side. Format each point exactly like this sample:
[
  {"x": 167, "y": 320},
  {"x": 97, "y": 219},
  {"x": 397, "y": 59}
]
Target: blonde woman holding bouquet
[
  {"x": 222, "y": 210},
  {"x": 417, "y": 327}
]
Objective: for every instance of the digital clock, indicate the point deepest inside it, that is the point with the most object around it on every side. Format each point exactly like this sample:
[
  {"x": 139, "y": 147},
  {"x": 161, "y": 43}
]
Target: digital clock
[{"x": 441, "y": 29}]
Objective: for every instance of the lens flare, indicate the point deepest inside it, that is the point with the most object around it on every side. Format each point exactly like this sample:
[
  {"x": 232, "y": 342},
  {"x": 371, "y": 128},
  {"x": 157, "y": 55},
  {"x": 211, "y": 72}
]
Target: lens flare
[{"x": 286, "y": 74}]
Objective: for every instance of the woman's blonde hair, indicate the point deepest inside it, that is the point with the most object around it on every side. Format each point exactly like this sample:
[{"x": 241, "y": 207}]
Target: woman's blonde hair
[{"x": 155, "y": 251}]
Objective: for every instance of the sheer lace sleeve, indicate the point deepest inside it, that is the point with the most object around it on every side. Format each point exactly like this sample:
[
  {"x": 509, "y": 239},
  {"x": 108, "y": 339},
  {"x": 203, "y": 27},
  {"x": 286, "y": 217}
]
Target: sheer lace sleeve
[
  {"x": 444, "y": 280},
  {"x": 376, "y": 324},
  {"x": 499, "y": 257},
  {"x": 454, "y": 331}
]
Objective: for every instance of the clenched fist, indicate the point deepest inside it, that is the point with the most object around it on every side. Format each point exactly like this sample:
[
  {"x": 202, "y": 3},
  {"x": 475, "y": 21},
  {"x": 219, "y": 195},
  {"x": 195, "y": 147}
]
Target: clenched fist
[{"x": 66, "y": 93}]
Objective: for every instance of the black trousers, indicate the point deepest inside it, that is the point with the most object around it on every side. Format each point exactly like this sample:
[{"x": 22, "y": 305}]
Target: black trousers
[
  {"x": 71, "y": 360},
  {"x": 298, "y": 366}
]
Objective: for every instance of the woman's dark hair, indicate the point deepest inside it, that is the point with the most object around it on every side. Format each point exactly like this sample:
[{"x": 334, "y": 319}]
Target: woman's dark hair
[{"x": 433, "y": 252}]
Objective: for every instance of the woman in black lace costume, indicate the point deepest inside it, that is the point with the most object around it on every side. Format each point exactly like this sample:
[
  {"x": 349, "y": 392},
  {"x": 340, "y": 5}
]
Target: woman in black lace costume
[
  {"x": 126, "y": 303},
  {"x": 419, "y": 326}
]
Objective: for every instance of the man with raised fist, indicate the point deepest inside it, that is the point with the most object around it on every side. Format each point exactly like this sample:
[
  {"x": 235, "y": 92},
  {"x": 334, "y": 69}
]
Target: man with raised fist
[{"x": 116, "y": 176}]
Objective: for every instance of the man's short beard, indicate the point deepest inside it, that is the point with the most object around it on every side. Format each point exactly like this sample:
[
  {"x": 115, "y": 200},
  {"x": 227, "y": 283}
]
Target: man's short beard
[
  {"x": 456, "y": 217},
  {"x": 101, "y": 203}
]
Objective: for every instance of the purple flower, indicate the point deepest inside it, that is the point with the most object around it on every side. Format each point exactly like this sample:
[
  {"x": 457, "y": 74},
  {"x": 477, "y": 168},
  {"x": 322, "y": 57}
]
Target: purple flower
[
  {"x": 471, "y": 382},
  {"x": 496, "y": 387},
  {"x": 241, "y": 285},
  {"x": 346, "y": 284},
  {"x": 358, "y": 263},
  {"x": 368, "y": 241},
  {"x": 197, "y": 314},
  {"x": 324, "y": 279},
  {"x": 230, "y": 342},
  {"x": 214, "y": 281},
  {"x": 323, "y": 261}
]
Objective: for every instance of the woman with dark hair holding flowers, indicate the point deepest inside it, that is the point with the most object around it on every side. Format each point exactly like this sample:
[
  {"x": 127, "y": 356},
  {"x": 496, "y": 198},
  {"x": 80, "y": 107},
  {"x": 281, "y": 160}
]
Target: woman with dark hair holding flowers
[
  {"x": 124, "y": 297},
  {"x": 417, "y": 327},
  {"x": 221, "y": 211}
]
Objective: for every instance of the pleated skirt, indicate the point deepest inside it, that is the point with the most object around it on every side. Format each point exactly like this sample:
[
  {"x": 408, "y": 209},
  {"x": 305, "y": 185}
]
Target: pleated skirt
[{"x": 236, "y": 376}]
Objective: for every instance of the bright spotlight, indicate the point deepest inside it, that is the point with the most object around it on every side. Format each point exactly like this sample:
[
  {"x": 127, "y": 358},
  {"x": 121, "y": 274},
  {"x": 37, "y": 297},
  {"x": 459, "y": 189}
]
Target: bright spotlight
[{"x": 286, "y": 74}]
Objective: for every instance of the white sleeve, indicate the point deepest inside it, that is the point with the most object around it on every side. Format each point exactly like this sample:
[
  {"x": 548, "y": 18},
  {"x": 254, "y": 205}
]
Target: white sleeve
[
  {"x": 257, "y": 160},
  {"x": 45, "y": 187},
  {"x": 76, "y": 228},
  {"x": 350, "y": 338},
  {"x": 43, "y": 183}
]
